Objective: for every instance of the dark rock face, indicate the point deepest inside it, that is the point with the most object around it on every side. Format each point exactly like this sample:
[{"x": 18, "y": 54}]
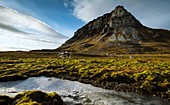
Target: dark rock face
[
  {"x": 109, "y": 24},
  {"x": 118, "y": 26}
]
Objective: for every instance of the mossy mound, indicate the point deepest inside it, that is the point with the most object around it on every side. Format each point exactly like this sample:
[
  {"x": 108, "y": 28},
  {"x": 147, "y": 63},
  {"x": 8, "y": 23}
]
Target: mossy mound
[
  {"x": 33, "y": 97},
  {"x": 5, "y": 100}
]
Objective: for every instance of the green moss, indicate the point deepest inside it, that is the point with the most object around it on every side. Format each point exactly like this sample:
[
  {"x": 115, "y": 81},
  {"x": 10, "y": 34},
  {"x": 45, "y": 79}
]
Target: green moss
[
  {"x": 147, "y": 85},
  {"x": 150, "y": 78},
  {"x": 35, "y": 97},
  {"x": 165, "y": 84},
  {"x": 29, "y": 103},
  {"x": 141, "y": 76},
  {"x": 148, "y": 72}
]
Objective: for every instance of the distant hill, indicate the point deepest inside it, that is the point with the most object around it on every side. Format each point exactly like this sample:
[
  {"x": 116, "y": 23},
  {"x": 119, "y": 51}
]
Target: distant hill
[{"x": 118, "y": 32}]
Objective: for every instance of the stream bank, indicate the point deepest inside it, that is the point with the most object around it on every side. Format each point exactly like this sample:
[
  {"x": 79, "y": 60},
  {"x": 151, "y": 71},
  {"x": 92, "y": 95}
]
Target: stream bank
[{"x": 76, "y": 93}]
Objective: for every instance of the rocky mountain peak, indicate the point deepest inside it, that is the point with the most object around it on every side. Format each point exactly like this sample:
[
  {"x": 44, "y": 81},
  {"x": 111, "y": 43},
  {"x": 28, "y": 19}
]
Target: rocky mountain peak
[
  {"x": 110, "y": 31},
  {"x": 119, "y": 11},
  {"x": 116, "y": 23},
  {"x": 120, "y": 17}
]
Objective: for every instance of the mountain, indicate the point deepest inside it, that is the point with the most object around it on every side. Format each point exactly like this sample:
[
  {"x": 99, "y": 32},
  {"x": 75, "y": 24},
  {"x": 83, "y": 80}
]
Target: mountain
[
  {"x": 118, "y": 32},
  {"x": 22, "y": 32}
]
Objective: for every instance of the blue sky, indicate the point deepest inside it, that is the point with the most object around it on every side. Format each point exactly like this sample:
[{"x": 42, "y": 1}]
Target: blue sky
[
  {"x": 66, "y": 16},
  {"x": 52, "y": 12}
]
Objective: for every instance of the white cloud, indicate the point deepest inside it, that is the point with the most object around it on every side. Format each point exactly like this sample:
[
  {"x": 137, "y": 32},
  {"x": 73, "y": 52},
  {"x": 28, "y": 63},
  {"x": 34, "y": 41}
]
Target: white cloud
[
  {"x": 87, "y": 10},
  {"x": 22, "y": 31},
  {"x": 66, "y": 3}
]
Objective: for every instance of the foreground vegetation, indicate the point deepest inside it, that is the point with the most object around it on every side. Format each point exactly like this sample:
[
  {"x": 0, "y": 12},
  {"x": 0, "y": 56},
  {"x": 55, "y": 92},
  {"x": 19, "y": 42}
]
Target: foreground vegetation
[
  {"x": 33, "y": 97},
  {"x": 143, "y": 74}
]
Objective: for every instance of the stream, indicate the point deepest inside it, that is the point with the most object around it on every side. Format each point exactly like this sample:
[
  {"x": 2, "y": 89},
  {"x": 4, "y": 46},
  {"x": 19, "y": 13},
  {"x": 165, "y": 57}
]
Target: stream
[{"x": 76, "y": 93}]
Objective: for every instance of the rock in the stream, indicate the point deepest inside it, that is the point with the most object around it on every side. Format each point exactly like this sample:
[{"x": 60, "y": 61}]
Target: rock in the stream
[{"x": 33, "y": 97}]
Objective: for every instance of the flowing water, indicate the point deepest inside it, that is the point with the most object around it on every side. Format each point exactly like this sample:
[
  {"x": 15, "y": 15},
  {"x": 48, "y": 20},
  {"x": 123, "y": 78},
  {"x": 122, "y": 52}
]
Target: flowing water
[{"x": 76, "y": 93}]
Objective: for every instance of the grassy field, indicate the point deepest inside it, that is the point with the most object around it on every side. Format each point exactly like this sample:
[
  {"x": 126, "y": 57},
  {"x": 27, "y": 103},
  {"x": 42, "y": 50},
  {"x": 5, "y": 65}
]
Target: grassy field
[{"x": 145, "y": 73}]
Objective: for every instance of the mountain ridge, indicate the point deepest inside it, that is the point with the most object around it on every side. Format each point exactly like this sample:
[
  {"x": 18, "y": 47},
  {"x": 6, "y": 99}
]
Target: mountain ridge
[{"x": 118, "y": 29}]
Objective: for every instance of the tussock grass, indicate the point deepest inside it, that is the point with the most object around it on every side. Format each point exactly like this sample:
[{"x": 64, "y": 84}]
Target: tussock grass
[{"x": 149, "y": 73}]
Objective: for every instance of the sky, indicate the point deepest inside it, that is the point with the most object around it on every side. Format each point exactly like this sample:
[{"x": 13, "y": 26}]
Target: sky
[{"x": 66, "y": 16}]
